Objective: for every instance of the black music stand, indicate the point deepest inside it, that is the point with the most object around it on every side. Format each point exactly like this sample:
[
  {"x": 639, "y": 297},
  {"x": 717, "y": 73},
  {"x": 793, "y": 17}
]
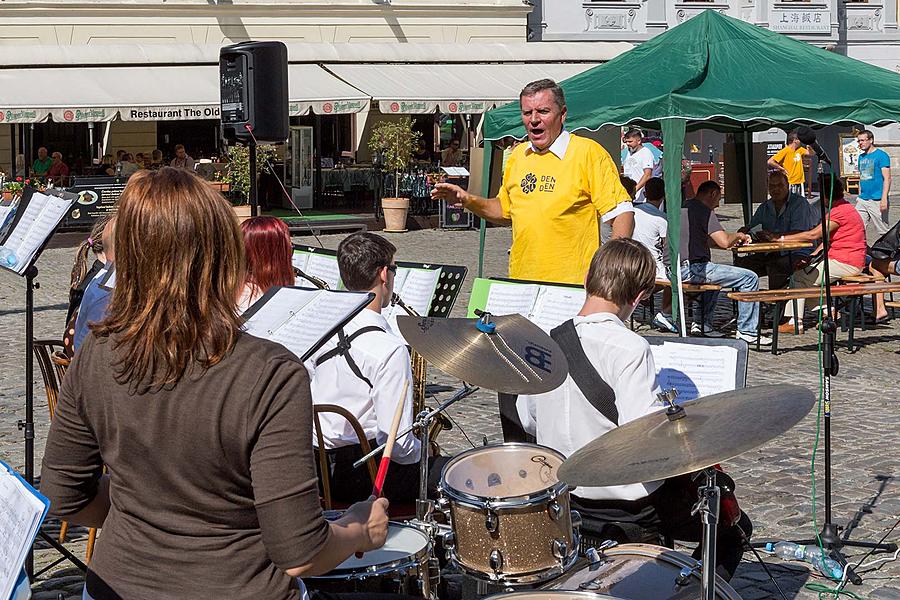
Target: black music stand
[{"x": 30, "y": 273}]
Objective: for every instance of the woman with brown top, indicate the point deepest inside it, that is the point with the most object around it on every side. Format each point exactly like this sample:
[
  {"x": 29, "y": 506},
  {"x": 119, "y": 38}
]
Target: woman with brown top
[{"x": 210, "y": 492}]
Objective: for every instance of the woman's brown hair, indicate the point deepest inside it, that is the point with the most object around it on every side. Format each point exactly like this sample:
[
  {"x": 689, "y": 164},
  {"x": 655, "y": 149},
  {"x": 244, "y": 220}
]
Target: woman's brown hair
[{"x": 179, "y": 268}]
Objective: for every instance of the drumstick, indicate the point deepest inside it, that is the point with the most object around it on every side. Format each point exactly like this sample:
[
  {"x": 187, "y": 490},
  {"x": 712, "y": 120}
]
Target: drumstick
[{"x": 388, "y": 448}]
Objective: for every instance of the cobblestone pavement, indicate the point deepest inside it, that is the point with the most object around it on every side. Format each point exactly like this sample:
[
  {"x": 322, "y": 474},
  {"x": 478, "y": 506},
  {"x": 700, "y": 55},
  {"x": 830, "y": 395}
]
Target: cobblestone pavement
[{"x": 773, "y": 480}]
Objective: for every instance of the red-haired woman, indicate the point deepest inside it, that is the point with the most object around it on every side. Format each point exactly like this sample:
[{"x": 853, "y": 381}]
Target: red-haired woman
[{"x": 267, "y": 243}]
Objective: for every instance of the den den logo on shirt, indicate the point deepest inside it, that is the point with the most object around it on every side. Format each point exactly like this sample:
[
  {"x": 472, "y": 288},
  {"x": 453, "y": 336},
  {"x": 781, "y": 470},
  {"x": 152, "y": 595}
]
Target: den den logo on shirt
[{"x": 530, "y": 182}]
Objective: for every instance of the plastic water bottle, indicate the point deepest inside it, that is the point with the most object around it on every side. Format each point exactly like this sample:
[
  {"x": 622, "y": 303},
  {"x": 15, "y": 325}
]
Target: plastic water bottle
[
  {"x": 811, "y": 554},
  {"x": 8, "y": 258}
]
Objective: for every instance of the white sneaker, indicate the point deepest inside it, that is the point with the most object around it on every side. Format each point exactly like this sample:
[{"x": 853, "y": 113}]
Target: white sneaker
[
  {"x": 663, "y": 322},
  {"x": 750, "y": 338},
  {"x": 708, "y": 332}
]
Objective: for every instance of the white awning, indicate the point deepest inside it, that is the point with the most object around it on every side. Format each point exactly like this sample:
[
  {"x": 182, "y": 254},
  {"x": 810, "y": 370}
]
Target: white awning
[
  {"x": 157, "y": 93},
  {"x": 452, "y": 88}
]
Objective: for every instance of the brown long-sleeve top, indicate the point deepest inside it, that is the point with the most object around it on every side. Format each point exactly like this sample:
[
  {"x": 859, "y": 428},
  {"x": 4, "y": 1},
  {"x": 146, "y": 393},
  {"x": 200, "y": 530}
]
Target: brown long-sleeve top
[{"x": 212, "y": 481}]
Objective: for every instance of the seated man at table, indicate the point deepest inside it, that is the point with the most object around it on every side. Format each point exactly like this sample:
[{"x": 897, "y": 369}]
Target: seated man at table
[
  {"x": 605, "y": 355},
  {"x": 364, "y": 369},
  {"x": 846, "y": 249},
  {"x": 700, "y": 229},
  {"x": 650, "y": 229},
  {"x": 784, "y": 212}
]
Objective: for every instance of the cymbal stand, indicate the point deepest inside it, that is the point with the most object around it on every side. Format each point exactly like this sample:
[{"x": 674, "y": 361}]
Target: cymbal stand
[
  {"x": 708, "y": 507},
  {"x": 422, "y": 422}
]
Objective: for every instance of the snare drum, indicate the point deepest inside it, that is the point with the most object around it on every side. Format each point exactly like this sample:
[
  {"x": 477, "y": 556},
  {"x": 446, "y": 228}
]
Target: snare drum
[
  {"x": 509, "y": 513},
  {"x": 640, "y": 572},
  {"x": 398, "y": 567}
]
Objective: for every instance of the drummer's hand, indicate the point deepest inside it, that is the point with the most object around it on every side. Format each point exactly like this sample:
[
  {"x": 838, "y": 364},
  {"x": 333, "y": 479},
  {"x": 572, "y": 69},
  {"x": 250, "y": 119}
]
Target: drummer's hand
[
  {"x": 453, "y": 194},
  {"x": 372, "y": 518}
]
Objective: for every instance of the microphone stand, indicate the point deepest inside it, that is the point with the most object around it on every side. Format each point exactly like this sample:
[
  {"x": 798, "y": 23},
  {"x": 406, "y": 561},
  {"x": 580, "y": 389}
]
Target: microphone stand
[{"x": 830, "y": 537}]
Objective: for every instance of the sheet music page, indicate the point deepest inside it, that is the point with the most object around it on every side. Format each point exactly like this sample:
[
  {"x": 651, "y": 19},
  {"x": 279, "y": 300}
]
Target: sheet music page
[
  {"x": 555, "y": 304},
  {"x": 40, "y": 218},
  {"x": 509, "y": 299},
  {"x": 390, "y": 313},
  {"x": 695, "y": 370},
  {"x": 277, "y": 311},
  {"x": 324, "y": 267},
  {"x": 418, "y": 289},
  {"x": 20, "y": 517},
  {"x": 4, "y": 211},
  {"x": 312, "y": 322}
]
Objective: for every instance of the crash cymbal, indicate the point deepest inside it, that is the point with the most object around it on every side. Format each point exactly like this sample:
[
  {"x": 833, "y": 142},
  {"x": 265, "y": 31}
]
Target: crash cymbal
[
  {"x": 518, "y": 357},
  {"x": 713, "y": 429}
]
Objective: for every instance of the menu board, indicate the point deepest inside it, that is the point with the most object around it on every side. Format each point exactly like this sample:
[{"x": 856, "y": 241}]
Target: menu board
[{"x": 97, "y": 197}]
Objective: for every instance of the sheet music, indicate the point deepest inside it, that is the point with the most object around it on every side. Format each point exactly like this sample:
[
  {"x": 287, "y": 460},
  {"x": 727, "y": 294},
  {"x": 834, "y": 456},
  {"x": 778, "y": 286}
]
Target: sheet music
[
  {"x": 504, "y": 299},
  {"x": 695, "y": 370},
  {"x": 416, "y": 287},
  {"x": 324, "y": 267},
  {"x": 555, "y": 304},
  {"x": 20, "y": 516},
  {"x": 298, "y": 319},
  {"x": 4, "y": 212},
  {"x": 40, "y": 217}
]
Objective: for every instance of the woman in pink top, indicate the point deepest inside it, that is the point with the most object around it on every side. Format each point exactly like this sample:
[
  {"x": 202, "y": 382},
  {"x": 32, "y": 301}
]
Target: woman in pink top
[{"x": 846, "y": 250}]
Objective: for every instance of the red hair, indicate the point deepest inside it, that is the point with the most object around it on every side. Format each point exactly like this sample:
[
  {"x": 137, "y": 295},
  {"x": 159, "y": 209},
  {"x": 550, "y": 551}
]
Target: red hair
[{"x": 268, "y": 247}]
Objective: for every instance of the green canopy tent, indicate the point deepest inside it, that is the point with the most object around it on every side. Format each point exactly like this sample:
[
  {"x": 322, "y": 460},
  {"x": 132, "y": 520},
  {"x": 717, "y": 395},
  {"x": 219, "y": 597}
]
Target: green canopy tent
[{"x": 716, "y": 72}]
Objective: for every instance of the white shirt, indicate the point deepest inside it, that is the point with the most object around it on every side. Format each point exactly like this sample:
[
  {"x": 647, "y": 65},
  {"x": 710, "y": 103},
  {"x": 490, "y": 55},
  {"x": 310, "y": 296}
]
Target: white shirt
[
  {"x": 564, "y": 420},
  {"x": 650, "y": 228},
  {"x": 634, "y": 166},
  {"x": 558, "y": 148},
  {"x": 383, "y": 359}
]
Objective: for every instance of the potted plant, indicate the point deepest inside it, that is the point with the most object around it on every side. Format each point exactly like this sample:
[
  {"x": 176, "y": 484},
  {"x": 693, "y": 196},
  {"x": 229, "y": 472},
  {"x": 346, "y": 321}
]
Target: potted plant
[
  {"x": 237, "y": 177},
  {"x": 396, "y": 142},
  {"x": 14, "y": 188}
]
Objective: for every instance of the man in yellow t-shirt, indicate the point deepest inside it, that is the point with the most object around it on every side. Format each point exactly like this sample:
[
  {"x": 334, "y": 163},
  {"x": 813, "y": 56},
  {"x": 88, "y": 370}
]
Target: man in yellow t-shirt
[
  {"x": 789, "y": 160},
  {"x": 556, "y": 190}
]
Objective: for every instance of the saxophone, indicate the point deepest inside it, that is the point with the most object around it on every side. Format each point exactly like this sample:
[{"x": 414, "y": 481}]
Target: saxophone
[
  {"x": 419, "y": 372},
  {"x": 319, "y": 283}
]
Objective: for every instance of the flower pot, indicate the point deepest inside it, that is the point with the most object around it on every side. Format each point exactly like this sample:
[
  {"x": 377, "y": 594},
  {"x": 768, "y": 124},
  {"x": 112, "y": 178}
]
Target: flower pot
[
  {"x": 220, "y": 186},
  {"x": 242, "y": 212},
  {"x": 7, "y": 195},
  {"x": 395, "y": 212}
]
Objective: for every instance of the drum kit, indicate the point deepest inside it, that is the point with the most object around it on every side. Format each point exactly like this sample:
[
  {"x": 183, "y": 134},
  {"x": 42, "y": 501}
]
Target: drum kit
[{"x": 503, "y": 517}]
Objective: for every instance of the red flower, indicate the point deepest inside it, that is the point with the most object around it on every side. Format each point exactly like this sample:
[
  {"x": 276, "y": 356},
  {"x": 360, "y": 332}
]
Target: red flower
[
  {"x": 18, "y": 179},
  {"x": 27, "y": 181}
]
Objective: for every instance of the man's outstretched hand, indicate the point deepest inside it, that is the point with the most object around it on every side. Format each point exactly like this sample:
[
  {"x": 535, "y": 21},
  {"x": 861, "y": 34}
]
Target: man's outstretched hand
[{"x": 453, "y": 194}]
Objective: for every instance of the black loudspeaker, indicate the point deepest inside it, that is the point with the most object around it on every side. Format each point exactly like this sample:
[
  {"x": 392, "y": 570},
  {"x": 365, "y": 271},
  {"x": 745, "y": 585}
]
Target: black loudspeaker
[{"x": 253, "y": 80}]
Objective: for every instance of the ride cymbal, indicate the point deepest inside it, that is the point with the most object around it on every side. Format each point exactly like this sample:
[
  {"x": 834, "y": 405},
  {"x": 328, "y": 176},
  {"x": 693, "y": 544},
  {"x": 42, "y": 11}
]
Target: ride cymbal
[
  {"x": 713, "y": 429},
  {"x": 509, "y": 354}
]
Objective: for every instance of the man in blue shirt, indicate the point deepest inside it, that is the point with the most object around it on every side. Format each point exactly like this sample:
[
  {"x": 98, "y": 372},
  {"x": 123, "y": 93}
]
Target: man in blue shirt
[
  {"x": 874, "y": 183},
  {"x": 784, "y": 212}
]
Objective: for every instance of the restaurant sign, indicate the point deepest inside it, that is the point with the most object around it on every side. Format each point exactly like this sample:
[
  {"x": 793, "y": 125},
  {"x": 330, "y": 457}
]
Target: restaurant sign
[
  {"x": 329, "y": 107},
  {"x": 83, "y": 115},
  {"x": 406, "y": 106},
  {"x": 187, "y": 112},
  {"x": 97, "y": 197},
  {"x": 801, "y": 21},
  {"x": 23, "y": 115},
  {"x": 465, "y": 106}
]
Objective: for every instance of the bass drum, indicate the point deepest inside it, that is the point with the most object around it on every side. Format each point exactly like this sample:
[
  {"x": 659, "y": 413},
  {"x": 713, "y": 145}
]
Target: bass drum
[{"x": 640, "y": 572}]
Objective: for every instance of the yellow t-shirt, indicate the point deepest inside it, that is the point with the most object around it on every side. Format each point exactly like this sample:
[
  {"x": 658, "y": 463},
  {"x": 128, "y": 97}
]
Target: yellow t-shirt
[
  {"x": 792, "y": 161},
  {"x": 554, "y": 206}
]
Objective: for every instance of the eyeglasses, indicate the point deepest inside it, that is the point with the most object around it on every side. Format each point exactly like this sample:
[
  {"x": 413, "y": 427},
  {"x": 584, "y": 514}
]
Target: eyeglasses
[{"x": 391, "y": 268}]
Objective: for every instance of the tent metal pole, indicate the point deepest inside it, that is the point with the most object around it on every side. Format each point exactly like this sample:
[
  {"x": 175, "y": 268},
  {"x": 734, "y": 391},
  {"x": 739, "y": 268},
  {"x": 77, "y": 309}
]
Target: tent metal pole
[
  {"x": 487, "y": 167},
  {"x": 748, "y": 202}
]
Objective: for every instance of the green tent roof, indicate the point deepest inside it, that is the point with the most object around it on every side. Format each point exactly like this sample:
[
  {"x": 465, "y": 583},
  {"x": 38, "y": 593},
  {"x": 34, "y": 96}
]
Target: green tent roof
[{"x": 727, "y": 74}]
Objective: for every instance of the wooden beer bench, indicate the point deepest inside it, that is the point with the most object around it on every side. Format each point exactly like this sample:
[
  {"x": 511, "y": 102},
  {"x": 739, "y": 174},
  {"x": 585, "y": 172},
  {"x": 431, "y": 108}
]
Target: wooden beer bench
[
  {"x": 778, "y": 298},
  {"x": 690, "y": 289}
]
